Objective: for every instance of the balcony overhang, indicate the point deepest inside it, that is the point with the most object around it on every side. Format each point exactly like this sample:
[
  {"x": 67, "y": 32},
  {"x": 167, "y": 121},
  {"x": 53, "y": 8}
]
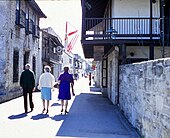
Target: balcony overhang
[
  {"x": 94, "y": 8},
  {"x": 88, "y": 45}
]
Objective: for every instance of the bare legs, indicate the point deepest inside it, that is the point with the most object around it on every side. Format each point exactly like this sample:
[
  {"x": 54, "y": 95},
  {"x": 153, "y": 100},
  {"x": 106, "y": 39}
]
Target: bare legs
[
  {"x": 62, "y": 106},
  {"x": 44, "y": 105}
]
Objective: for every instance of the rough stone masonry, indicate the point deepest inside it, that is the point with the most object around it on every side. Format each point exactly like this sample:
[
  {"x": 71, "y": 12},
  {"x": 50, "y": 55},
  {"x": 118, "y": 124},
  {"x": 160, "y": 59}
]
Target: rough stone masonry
[{"x": 145, "y": 96}]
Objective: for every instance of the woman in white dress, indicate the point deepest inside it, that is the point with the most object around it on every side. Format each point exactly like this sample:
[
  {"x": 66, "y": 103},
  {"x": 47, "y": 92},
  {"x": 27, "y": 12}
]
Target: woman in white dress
[{"x": 46, "y": 84}]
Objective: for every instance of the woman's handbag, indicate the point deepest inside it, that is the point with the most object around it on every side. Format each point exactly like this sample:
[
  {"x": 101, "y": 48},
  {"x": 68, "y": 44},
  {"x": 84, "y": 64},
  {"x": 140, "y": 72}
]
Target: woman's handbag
[{"x": 57, "y": 85}]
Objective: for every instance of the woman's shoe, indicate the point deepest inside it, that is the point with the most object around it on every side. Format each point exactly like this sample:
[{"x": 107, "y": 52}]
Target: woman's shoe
[
  {"x": 43, "y": 110},
  {"x": 61, "y": 111},
  {"x": 66, "y": 112},
  {"x": 47, "y": 111}
]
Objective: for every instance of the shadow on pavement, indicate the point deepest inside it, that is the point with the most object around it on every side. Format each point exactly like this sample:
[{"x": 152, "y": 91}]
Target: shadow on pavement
[
  {"x": 39, "y": 116},
  {"x": 95, "y": 89},
  {"x": 18, "y": 116},
  {"x": 59, "y": 117},
  {"x": 92, "y": 115},
  {"x": 55, "y": 104}
]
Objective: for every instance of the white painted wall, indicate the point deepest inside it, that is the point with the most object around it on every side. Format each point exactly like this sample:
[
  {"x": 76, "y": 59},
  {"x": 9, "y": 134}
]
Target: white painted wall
[
  {"x": 143, "y": 51},
  {"x": 65, "y": 61},
  {"x": 134, "y": 8}
]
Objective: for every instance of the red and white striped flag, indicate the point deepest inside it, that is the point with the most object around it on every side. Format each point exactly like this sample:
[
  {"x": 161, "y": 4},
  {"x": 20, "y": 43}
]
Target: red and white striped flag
[
  {"x": 72, "y": 43},
  {"x": 70, "y": 34}
]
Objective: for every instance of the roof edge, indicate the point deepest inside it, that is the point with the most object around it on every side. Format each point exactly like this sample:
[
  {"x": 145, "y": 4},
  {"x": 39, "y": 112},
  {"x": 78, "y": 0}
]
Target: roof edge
[{"x": 35, "y": 6}]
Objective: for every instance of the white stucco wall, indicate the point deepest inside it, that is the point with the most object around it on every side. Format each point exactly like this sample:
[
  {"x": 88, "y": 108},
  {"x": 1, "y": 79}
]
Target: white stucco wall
[
  {"x": 66, "y": 58},
  {"x": 134, "y": 8},
  {"x": 143, "y": 52}
]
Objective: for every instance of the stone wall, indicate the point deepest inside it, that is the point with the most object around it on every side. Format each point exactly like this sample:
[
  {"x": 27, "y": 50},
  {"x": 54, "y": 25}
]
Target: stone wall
[
  {"x": 13, "y": 37},
  {"x": 145, "y": 96}
]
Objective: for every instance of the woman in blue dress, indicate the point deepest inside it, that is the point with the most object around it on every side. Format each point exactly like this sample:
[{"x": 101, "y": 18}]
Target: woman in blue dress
[{"x": 65, "y": 80}]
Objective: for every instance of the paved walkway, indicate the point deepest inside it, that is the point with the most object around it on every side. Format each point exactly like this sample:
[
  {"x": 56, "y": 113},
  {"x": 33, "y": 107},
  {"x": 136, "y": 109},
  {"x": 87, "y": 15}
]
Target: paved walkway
[{"x": 90, "y": 115}]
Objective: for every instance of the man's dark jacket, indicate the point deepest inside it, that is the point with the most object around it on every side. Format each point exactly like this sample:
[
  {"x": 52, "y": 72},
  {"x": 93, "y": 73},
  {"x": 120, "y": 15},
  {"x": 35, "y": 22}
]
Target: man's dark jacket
[{"x": 27, "y": 79}]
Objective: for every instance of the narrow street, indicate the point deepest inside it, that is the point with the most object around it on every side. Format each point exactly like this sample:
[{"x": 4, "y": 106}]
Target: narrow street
[{"x": 90, "y": 115}]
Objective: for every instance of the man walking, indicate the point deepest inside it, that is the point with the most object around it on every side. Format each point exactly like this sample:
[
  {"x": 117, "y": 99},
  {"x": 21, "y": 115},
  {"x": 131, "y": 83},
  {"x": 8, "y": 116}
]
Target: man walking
[{"x": 27, "y": 82}]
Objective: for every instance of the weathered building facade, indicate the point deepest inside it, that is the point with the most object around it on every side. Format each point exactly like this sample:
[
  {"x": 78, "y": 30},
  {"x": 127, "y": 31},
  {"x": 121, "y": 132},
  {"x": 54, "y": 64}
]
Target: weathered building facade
[
  {"x": 119, "y": 32},
  {"x": 19, "y": 42},
  {"x": 67, "y": 60},
  {"x": 52, "y": 50}
]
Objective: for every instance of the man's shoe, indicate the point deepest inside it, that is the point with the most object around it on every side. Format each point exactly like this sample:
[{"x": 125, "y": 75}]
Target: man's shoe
[{"x": 31, "y": 109}]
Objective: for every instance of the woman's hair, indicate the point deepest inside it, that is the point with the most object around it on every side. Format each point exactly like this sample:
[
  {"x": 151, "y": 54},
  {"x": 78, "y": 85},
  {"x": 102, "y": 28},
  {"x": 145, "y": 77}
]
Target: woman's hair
[
  {"x": 27, "y": 66},
  {"x": 66, "y": 69},
  {"x": 47, "y": 69}
]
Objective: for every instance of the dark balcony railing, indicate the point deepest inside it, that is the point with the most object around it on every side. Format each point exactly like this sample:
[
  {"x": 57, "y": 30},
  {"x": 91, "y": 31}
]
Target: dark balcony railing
[
  {"x": 50, "y": 56},
  {"x": 105, "y": 28}
]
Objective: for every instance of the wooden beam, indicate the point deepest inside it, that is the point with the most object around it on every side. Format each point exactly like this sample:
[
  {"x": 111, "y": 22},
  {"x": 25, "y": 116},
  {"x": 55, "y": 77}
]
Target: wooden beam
[{"x": 151, "y": 47}]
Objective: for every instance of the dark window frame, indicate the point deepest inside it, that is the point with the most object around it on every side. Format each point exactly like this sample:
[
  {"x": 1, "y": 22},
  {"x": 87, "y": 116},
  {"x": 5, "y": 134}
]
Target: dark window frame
[
  {"x": 27, "y": 21},
  {"x": 20, "y": 14},
  {"x": 15, "y": 66}
]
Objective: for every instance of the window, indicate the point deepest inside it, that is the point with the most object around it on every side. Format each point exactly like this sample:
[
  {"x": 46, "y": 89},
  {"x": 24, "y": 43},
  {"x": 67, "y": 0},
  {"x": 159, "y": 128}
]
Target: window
[
  {"x": 27, "y": 21},
  {"x": 17, "y": 20},
  {"x": 18, "y": 4},
  {"x": 27, "y": 13},
  {"x": 30, "y": 26},
  {"x": 22, "y": 19},
  {"x": 20, "y": 15},
  {"x": 15, "y": 65},
  {"x": 35, "y": 26},
  {"x": 70, "y": 60},
  {"x": 34, "y": 18}
]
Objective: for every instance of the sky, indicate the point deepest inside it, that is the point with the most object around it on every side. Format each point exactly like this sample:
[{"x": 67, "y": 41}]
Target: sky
[{"x": 58, "y": 12}]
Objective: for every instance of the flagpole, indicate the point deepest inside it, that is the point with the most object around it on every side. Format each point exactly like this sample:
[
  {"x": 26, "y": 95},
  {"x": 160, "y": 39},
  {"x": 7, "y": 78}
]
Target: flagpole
[{"x": 66, "y": 37}]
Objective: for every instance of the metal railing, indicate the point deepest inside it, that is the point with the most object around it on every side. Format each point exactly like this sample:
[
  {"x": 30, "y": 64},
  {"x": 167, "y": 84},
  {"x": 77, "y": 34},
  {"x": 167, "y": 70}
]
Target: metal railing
[{"x": 121, "y": 27}]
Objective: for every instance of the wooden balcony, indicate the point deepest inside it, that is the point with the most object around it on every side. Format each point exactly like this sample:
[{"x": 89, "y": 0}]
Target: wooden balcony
[
  {"x": 50, "y": 56},
  {"x": 105, "y": 30},
  {"x": 50, "y": 43}
]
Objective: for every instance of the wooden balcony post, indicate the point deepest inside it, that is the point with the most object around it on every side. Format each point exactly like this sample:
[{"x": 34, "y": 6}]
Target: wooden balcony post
[
  {"x": 123, "y": 54},
  {"x": 163, "y": 27},
  {"x": 83, "y": 19},
  {"x": 151, "y": 47}
]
